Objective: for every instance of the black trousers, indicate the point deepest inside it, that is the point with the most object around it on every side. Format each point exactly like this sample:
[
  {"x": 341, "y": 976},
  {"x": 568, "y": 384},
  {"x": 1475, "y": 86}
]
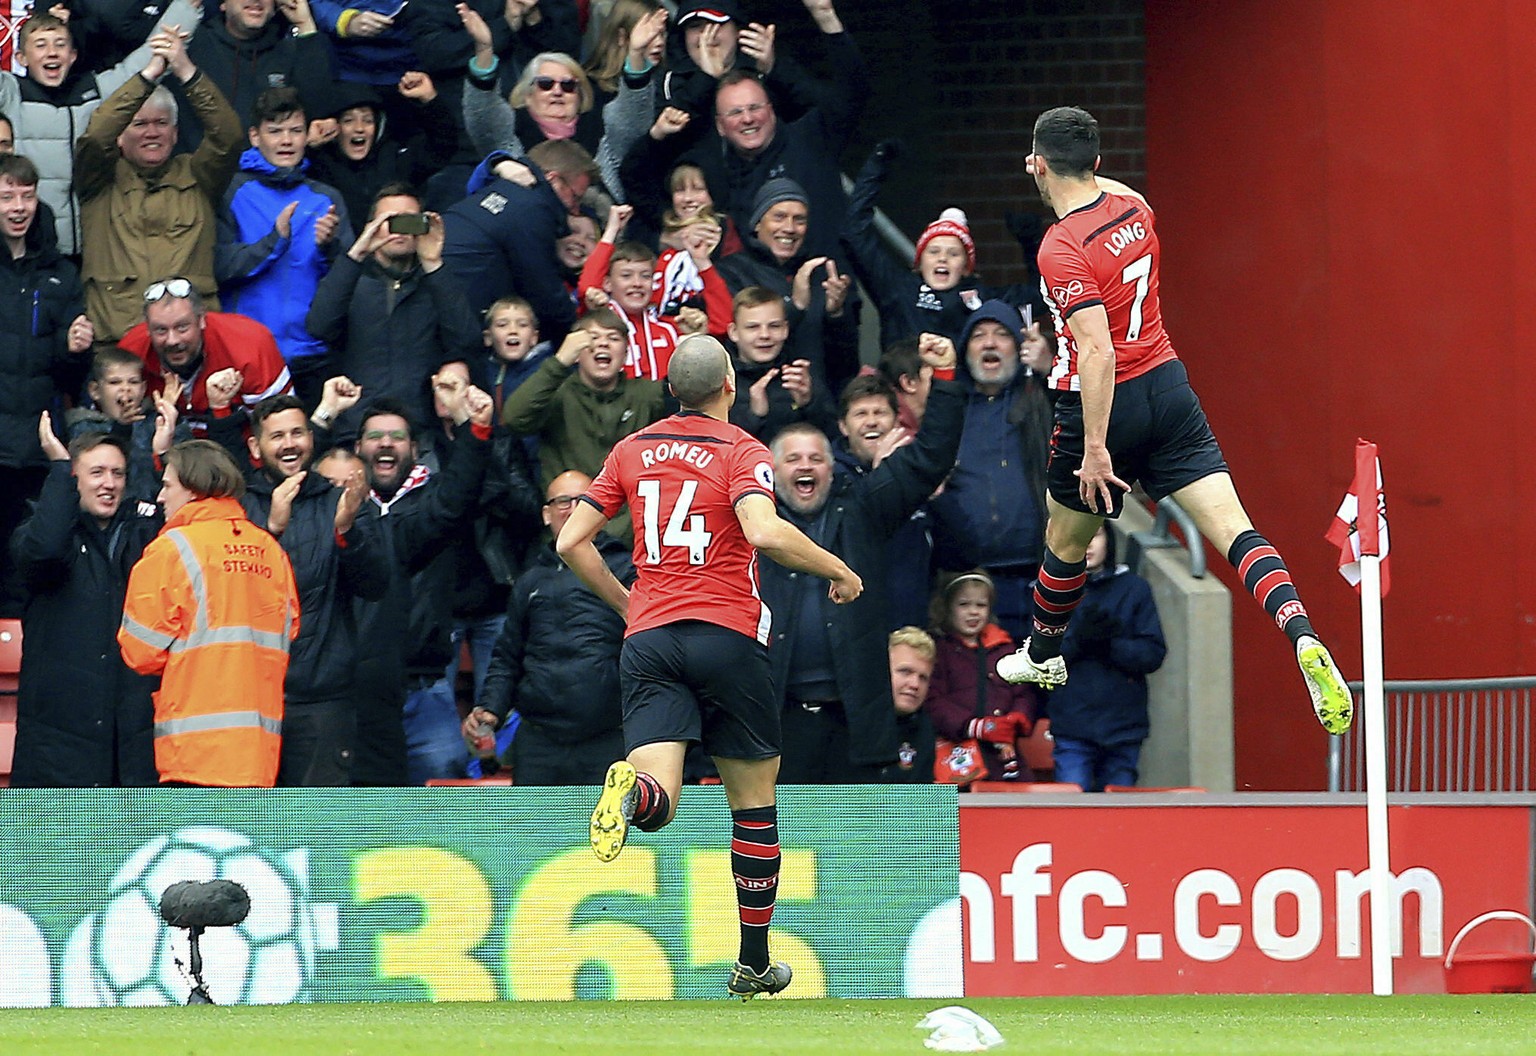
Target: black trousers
[{"x": 816, "y": 741}]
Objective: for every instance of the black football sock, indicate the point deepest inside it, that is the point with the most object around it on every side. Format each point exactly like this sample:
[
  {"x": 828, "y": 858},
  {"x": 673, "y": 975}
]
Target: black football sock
[
  {"x": 1264, "y": 573},
  {"x": 1058, "y": 589},
  {"x": 755, "y": 865},
  {"x": 651, "y": 805}
]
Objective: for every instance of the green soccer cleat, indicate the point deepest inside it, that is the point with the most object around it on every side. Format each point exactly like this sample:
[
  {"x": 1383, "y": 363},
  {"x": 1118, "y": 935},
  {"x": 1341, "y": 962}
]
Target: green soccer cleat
[
  {"x": 615, "y": 808},
  {"x": 1332, "y": 701},
  {"x": 746, "y": 983},
  {"x": 1019, "y": 667}
]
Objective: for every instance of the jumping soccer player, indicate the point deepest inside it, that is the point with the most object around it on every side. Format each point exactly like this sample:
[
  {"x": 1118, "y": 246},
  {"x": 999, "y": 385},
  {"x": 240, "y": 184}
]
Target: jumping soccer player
[
  {"x": 694, "y": 665},
  {"x": 1099, "y": 274}
]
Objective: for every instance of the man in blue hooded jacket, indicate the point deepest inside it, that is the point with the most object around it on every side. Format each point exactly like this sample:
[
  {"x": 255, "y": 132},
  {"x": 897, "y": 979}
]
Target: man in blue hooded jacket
[{"x": 278, "y": 233}]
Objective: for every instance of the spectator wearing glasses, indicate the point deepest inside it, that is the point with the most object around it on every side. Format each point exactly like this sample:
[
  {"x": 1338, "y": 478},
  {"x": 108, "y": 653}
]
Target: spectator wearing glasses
[
  {"x": 503, "y": 238},
  {"x": 219, "y": 357},
  {"x": 556, "y": 663},
  {"x": 146, "y": 211}
]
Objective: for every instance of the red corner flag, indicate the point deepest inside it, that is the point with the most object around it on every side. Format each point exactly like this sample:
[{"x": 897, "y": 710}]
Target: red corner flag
[{"x": 1355, "y": 535}]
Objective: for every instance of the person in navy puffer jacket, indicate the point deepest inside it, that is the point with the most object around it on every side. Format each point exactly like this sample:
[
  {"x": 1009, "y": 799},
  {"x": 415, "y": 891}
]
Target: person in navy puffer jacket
[
  {"x": 278, "y": 233},
  {"x": 1099, "y": 717}
]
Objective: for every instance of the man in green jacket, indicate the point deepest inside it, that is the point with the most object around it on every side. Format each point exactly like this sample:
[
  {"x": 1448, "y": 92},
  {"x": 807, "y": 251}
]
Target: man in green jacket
[{"x": 579, "y": 416}]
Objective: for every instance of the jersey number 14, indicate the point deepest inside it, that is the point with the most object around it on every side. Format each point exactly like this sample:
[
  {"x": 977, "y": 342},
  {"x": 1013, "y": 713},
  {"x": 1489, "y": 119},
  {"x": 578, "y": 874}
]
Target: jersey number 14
[{"x": 683, "y": 529}]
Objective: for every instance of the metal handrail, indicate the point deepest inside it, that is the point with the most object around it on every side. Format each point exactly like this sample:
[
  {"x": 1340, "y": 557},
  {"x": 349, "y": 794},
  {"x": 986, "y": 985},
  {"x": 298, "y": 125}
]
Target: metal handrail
[
  {"x": 1158, "y": 537},
  {"x": 1451, "y": 735}
]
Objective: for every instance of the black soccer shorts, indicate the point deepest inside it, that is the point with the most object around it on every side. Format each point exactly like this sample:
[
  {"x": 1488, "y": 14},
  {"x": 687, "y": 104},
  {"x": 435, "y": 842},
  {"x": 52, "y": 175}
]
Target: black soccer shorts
[
  {"x": 695, "y": 681},
  {"x": 1158, "y": 435}
]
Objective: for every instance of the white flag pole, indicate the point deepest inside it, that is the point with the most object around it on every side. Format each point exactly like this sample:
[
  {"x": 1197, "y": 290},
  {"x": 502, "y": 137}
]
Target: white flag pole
[{"x": 1374, "y": 718}]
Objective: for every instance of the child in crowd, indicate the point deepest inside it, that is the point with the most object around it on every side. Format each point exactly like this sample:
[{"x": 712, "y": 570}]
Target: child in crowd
[
  {"x": 1115, "y": 640},
  {"x": 513, "y": 348},
  {"x": 622, "y": 275},
  {"x": 967, "y": 699},
  {"x": 279, "y": 231},
  {"x": 121, "y": 405},
  {"x": 692, "y": 217},
  {"x": 941, "y": 290},
  {"x": 778, "y": 378}
]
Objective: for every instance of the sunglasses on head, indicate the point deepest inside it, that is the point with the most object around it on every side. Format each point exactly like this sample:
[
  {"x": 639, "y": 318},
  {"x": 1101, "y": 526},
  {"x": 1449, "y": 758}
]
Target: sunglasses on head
[
  {"x": 168, "y": 288},
  {"x": 544, "y": 84}
]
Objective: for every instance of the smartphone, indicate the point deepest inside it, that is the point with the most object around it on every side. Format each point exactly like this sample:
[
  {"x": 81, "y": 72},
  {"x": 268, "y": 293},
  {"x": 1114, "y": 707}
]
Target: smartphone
[{"x": 408, "y": 224}]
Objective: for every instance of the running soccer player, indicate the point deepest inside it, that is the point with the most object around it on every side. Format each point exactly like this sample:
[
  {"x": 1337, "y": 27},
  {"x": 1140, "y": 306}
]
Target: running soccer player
[
  {"x": 694, "y": 665},
  {"x": 1125, "y": 412}
]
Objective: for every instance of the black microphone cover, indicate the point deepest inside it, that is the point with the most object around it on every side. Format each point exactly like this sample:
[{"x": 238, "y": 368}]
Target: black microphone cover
[{"x": 204, "y": 904}]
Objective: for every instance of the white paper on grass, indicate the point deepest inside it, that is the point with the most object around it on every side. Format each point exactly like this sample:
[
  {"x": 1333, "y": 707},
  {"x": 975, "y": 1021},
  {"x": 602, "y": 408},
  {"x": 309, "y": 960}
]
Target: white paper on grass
[{"x": 958, "y": 1029}]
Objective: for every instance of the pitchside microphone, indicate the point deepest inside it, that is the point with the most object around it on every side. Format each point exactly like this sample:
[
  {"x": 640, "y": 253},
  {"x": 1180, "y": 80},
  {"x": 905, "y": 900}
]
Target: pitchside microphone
[{"x": 204, "y": 904}]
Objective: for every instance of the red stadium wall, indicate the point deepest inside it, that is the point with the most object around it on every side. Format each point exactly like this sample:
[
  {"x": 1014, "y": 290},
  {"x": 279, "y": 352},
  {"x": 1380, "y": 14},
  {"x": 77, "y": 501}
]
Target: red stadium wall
[{"x": 1340, "y": 197}]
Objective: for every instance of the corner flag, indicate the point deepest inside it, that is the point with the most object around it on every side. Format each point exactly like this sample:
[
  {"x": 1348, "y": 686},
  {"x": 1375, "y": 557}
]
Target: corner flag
[{"x": 1354, "y": 535}]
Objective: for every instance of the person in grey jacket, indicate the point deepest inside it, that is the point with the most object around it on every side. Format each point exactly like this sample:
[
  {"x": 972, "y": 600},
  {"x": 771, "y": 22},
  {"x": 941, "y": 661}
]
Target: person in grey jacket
[{"x": 51, "y": 104}]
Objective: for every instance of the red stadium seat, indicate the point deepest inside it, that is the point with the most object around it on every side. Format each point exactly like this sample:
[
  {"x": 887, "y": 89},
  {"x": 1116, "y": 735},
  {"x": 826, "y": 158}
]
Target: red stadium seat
[
  {"x": 1138, "y": 788},
  {"x": 1038, "y": 751},
  {"x": 7, "y": 750},
  {"x": 10, "y": 666},
  {"x": 1024, "y": 786},
  {"x": 503, "y": 780}
]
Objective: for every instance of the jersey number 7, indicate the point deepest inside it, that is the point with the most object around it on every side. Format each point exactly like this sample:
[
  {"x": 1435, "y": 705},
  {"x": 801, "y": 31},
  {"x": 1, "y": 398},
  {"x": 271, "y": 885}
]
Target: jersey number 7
[
  {"x": 1138, "y": 271},
  {"x": 683, "y": 529}
]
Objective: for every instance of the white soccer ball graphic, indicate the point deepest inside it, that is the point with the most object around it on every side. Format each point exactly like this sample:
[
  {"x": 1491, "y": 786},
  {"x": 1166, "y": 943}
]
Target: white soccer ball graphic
[{"x": 267, "y": 959}]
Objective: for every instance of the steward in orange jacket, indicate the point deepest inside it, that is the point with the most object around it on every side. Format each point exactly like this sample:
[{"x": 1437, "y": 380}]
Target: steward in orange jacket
[{"x": 212, "y": 608}]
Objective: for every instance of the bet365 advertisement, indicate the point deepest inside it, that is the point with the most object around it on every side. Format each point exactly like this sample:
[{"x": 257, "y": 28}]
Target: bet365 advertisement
[{"x": 464, "y": 895}]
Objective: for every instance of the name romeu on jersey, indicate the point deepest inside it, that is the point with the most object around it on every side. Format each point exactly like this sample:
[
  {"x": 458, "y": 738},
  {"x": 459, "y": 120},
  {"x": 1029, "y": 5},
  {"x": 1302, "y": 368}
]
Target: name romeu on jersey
[{"x": 681, "y": 479}]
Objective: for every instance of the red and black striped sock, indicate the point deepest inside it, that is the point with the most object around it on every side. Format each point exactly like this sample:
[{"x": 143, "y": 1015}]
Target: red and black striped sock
[
  {"x": 1264, "y": 574},
  {"x": 755, "y": 865},
  {"x": 652, "y": 804},
  {"x": 1058, "y": 589}
]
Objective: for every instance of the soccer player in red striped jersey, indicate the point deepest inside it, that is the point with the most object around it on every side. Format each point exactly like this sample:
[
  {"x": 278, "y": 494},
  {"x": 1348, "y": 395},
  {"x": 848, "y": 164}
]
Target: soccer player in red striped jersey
[
  {"x": 1125, "y": 412},
  {"x": 694, "y": 666}
]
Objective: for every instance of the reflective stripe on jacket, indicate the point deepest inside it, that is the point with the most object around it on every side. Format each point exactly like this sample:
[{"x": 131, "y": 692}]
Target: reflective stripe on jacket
[{"x": 212, "y": 608}]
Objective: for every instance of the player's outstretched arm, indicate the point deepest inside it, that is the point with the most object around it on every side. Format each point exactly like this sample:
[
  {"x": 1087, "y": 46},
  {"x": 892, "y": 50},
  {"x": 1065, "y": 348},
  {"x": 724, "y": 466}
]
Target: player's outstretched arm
[
  {"x": 787, "y": 545},
  {"x": 577, "y": 549},
  {"x": 1116, "y": 187}
]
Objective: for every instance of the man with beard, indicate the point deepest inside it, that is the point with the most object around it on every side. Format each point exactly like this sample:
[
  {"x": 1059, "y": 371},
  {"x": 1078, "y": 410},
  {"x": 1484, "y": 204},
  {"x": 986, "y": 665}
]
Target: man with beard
[
  {"x": 990, "y": 515},
  {"x": 180, "y": 336},
  {"x": 404, "y": 644},
  {"x": 146, "y": 211},
  {"x": 83, "y": 719},
  {"x": 829, "y": 662},
  {"x": 337, "y": 558},
  {"x": 391, "y": 313}
]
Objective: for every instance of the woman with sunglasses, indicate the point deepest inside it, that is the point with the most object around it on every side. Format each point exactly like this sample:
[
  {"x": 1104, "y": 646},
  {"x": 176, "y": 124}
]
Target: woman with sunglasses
[{"x": 554, "y": 99}]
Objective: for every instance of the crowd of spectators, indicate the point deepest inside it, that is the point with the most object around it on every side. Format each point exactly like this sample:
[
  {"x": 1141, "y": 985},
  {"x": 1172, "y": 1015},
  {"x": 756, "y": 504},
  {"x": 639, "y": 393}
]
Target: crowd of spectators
[{"x": 417, "y": 268}]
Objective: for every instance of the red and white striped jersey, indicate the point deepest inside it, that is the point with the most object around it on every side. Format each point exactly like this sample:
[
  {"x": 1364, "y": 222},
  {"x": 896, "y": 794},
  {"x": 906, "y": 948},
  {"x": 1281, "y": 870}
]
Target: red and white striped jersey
[
  {"x": 1106, "y": 253},
  {"x": 681, "y": 479}
]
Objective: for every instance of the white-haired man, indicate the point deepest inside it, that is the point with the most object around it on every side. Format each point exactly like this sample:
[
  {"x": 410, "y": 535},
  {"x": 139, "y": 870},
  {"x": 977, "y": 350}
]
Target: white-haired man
[{"x": 145, "y": 213}]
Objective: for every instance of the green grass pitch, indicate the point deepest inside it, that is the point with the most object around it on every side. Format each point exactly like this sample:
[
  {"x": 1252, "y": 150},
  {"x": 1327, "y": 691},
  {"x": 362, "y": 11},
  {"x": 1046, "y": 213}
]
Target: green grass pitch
[{"x": 1183, "y": 1025}]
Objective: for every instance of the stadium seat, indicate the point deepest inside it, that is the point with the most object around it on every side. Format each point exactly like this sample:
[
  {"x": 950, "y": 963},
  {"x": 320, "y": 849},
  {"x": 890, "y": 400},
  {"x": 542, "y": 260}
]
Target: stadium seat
[
  {"x": 1038, "y": 748},
  {"x": 10, "y": 666},
  {"x": 503, "y": 780},
  {"x": 7, "y": 750},
  {"x": 1024, "y": 786},
  {"x": 1138, "y": 788}
]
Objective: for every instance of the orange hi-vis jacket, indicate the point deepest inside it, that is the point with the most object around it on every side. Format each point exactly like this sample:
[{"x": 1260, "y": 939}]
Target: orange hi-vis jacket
[{"x": 212, "y": 608}]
